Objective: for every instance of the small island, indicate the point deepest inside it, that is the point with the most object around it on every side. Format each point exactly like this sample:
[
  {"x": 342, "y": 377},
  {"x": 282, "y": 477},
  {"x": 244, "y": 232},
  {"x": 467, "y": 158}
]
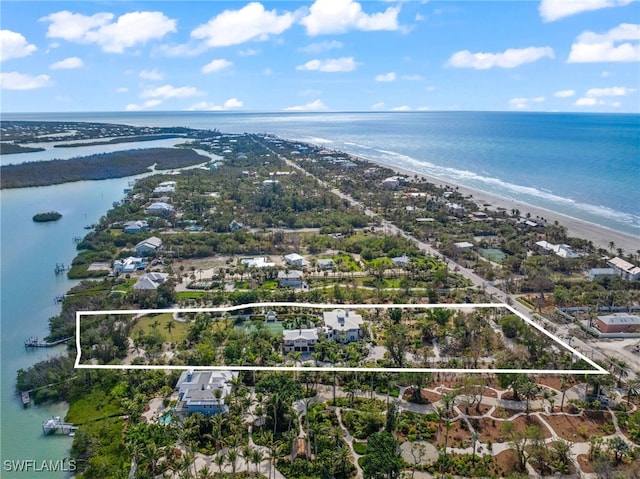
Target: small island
[{"x": 49, "y": 216}]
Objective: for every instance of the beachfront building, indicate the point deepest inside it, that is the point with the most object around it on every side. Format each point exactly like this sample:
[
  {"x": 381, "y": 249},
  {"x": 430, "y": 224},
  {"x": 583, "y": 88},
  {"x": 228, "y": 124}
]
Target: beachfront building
[
  {"x": 342, "y": 325},
  {"x": 597, "y": 273},
  {"x": 204, "y": 391},
  {"x": 624, "y": 269},
  {"x": 150, "y": 281},
  {"x": 562, "y": 250},
  {"x": 618, "y": 323},
  {"x": 129, "y": 265},
  {"x": 296, "y": 260},
  {"x": 290, "y": 279},
  {"x": 149, "y": 247},
  {"x": 302, "y": 340},
  {"x": 133, "y": 227}
]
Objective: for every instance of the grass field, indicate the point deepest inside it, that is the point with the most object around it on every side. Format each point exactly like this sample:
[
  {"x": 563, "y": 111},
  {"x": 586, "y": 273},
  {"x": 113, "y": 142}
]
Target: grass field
[{"x": 145, "y": 324}]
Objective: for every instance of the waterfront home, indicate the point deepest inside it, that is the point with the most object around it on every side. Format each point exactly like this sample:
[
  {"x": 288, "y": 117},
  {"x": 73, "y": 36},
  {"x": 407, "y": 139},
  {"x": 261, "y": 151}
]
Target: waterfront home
[
  {"x": 149, "y": 246},
  {"x": 295, "y": 259},
  {"x": 235, "y": 226},
  {"x": 135, "y": 226},
  {"x": 290, "y": 279},
  {"x": 303, "y": 340},
  {"x": 204, "y": 391},
  {"x": 165, "y": 187},
  {"x": 562, "y": 250},
  {"x": 150, "y": 281},
  {"x": 160, "y": 209},
  {"x": 342, "y": 325},
  {"x": 129, "y": 265},
  {"x": 624, "y": 269},
  {"x": 618, "y": 323}
]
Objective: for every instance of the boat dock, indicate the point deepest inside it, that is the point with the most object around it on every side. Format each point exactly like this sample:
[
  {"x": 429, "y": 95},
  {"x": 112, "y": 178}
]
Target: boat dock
[
  {"x": 26, "y": 398},
  {"x": 36, "y": 343},
  {"x": 55, "y": 424},
  {"x": 60, "y": 268}
]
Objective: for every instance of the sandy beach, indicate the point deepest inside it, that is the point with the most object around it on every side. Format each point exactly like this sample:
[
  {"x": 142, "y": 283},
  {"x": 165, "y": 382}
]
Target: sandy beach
[{"x": 599, "y": 235}]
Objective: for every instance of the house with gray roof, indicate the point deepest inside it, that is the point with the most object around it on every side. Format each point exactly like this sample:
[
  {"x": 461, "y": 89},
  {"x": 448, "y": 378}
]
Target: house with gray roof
[
  {"x": 343, "y": 326},
  {"x": 149, "y": 246},
  {"x": 204, "y": 391},
  {"x": 303, "y": 340}
]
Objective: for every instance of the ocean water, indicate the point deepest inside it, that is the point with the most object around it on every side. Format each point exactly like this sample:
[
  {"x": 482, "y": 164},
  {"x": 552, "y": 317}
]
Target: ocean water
[{"x": 585, "y": 166}]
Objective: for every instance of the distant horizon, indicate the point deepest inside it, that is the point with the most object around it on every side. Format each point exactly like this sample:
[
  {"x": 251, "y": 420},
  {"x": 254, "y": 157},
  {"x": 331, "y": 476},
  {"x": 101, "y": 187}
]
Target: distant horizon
[{"x": 321, "y": 56}]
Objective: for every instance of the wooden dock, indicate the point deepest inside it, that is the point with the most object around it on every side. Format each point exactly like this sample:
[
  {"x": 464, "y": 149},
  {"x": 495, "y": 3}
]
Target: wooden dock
[
  {"x": 36, "y": 343},
  {"x": 55, "y": 424}
]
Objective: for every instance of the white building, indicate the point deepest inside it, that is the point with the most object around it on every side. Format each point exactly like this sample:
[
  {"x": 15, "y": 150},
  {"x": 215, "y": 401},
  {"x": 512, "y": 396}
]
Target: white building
[
  {"x": 204, "y": 391},
  {"x": 150, "y": 281},
  {"x": 303, "y": 340},
  {"x": 129, "y": 265},
  {"x": 291, "y": 279},
  {"x": 624, "y": 269},
  {"x": 149, "y": 246},
  {"x": 160, "y": 209},
  {"x": 562, "y": 250},
  {"x": 342, "y": 325},
  {"x": 295, "y": 259},
  {"x": 135, "y": 226}
]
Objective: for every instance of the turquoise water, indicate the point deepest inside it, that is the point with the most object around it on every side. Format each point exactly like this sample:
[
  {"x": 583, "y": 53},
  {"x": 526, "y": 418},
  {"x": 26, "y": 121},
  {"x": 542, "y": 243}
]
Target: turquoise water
[
  {"x": 29, "y": 252},
  {"x": 582, "y": 165}
]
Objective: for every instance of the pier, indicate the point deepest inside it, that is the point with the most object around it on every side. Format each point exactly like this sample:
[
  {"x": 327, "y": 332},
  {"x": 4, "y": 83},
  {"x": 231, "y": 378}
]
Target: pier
[
  {"x": 60, "y": 268},
  {"x": 55, "y": 424},
  {"x": 36, "y": 343},
  {"x": 26, "y": 398}
]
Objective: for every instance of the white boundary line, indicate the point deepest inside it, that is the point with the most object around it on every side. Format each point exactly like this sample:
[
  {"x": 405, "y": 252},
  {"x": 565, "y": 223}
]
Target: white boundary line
[{"x": 597, "y": 371}]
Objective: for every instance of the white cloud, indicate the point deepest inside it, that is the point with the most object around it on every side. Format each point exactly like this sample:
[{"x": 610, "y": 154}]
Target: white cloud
[
  {"x": 144, "y": 106},
  {"x": 423, "y": 108},
  {"x": 128, "y": 30},
  {"x": 216, "y": 65},
  {"x": 606, "y": 74},
  {"x": 321, "y": 46},
  {"x": 340, "y": 16},
  {"x": 552, "y": 10},
  {"x": 521, "y": 103},
  {"x": 344, "y": 64},
  {"x": 377, "y": 106},
  {"x": 210, "y": 106},
  {"x": 401, "y": 108},
  {"x": 592, "y": 47},
  {"x": 251, "y": 22},
  {"x": 386, "y": 77},
  {"x": 232, "y": 103},
  {"x": 122, "y": 90},
  {"x": 67, "y": 64},
  {"x": 21, "y": 81},
  {"x": 510, "y": 58},
  {"x": 14, "y": 45},
  {"x": 248, "y": 52},
  {"x": 151, "y": 75},
  {"x": 315, "y": 105},
  {"x": 611, "y": 91},
  {"x": 588, "y": 102},
  {"x": 564, "y": 93},
  {"x": 169, "y": 91}
]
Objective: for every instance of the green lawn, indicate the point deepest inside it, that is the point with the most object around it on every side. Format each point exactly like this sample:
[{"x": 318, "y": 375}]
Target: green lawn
[
  {"x": 178, "y": 333},
  {"x": 94, "y": 405}
]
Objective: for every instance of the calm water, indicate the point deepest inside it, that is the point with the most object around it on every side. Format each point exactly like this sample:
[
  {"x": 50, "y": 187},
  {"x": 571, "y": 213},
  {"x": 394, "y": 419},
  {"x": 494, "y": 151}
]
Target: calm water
[
  {"x": 583, "y": 165},
  {"x": 29, "y": 252}
]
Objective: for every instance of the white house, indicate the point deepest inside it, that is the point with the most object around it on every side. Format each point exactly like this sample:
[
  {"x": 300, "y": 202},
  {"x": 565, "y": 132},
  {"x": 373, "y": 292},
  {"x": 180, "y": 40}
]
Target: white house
[
  {"x": 129, "y": 265},
  {"x": 562, "y": 250},
  {"x": 292, "y": 279},
  {"x": 303, "y": 340},
  {"x": 342, "y": 325},
  {"x": 295, "y": 259},
  {"x": 624, "y": 269},
  {"x": 325, "y": 264},
  {"x": 160, "y": 209},
  {"x": 204, "y": 391},
  {"x": 135, "y": 226},
  {"x": 259, "y": 262},
  {"x": 400, "y": 261},
  {"x": 149, "y": 246},
  {"x": 150, "y": 281}
]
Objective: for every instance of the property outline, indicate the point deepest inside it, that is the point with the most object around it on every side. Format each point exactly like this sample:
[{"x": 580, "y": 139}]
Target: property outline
[{"x": 597, "y": 371}]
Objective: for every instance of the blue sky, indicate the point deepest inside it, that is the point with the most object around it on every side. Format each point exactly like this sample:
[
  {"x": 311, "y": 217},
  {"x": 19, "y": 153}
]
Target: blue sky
[{"x": 327, "y": 55}]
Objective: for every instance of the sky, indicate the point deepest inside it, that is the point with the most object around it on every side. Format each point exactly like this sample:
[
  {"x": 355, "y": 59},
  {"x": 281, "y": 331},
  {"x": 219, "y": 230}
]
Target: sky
[{"x": 323, "y": 55}]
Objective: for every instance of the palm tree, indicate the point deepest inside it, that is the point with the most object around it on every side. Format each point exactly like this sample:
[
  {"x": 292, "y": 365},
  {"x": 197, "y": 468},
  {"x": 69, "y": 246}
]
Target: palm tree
[
  {"x": 169, "y": 327},
  {"x": 257, "y": 456},
  {"x": 633, "y": 387},
  {"x": 232, "y": 457}
]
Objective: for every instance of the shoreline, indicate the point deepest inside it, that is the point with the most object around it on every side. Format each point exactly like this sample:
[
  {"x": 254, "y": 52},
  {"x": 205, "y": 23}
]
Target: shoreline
[{"x": 601, "y": 236}]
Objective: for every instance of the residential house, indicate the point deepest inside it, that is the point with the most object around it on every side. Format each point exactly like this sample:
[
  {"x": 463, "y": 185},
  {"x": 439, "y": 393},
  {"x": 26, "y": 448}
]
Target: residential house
[
  {"x": 624, "y": 269},
  {"x": 259, "y": 262},
  {"x": 204, "y": 391},
  {"x": 325, "y": 264},
  {"x": 463, "y": 245},
  {"x": 271, "y": 316},
  {"x": 129, "y": 265},
  {"x": 303, "y": 340},
  {"x": 400, "y": 261},
  {"x": 295, "y": 259},
  {"x": 235, "y": 226},
  {"x": 150, "y": 281},
  {"x": 562, "y": 250},
  {"x": 596, "y": 273},
  {"x": 618, "y": 323},
  {"x": 160, "y": 209},
  {"x": 136, "y": 226},
  {"x": 342, "y": 325},
  {"x": 149, "y": 246},
  {"x": 290, "y": 279}
]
